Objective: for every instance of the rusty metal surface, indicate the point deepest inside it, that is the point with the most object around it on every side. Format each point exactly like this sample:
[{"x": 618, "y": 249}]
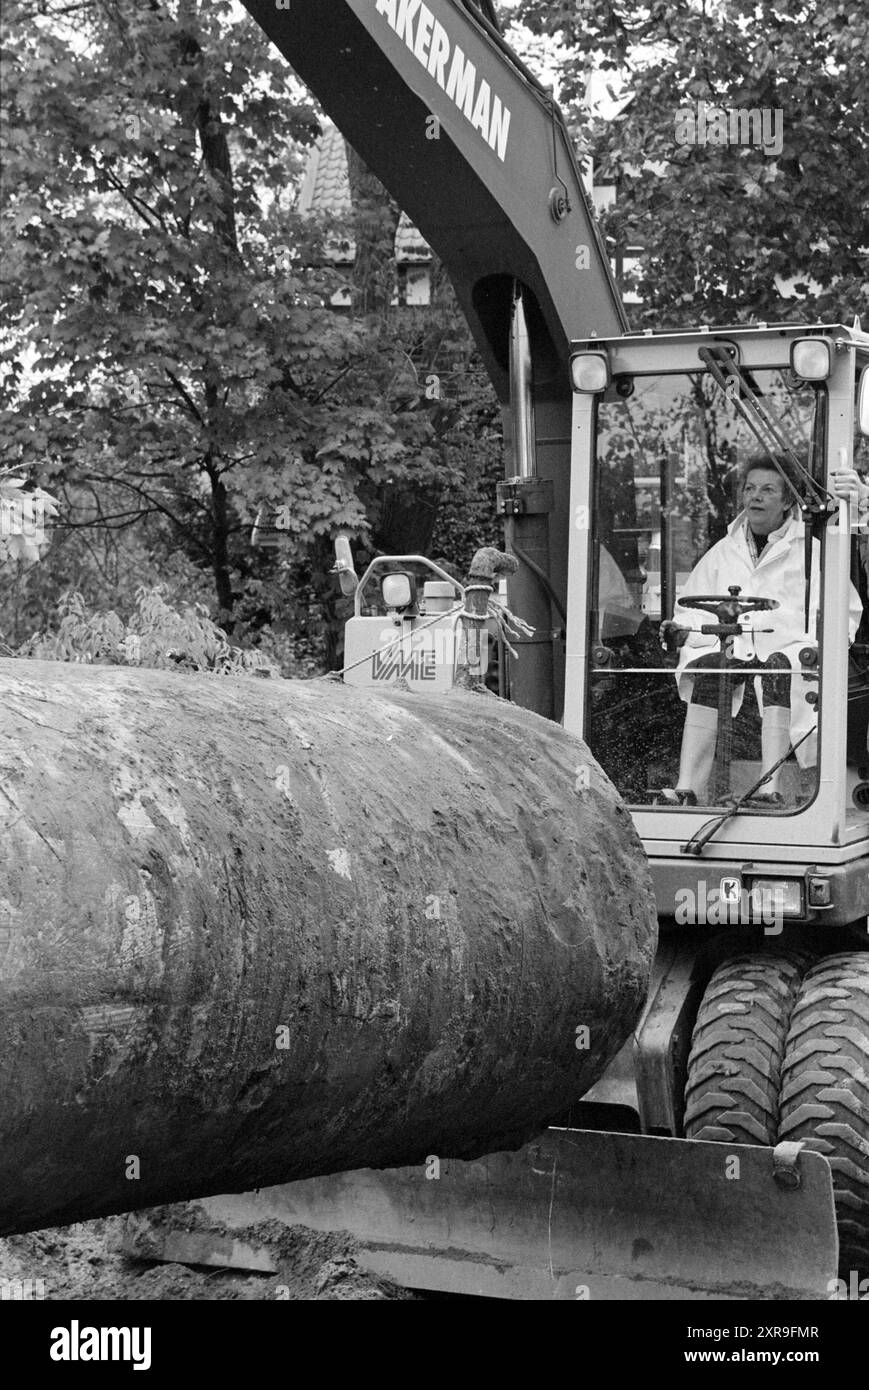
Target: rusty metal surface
[{"x": 575, "y": 1215}]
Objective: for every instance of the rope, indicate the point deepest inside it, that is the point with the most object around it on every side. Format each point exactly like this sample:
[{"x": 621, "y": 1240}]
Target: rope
[
  {"x": 508, "y": 624},
  {"x": 402, "y": 637}
]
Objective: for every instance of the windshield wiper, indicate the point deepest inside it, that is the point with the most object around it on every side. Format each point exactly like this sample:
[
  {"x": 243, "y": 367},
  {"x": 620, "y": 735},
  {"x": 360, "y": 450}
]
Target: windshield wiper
[
  {"x": 766, "y": 429},
  {"x": 698, "y": 841},
  {"x": 816, "y": 504}
]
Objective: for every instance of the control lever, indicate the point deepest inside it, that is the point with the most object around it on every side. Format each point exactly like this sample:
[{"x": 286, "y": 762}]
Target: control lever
[{"x": 672, "y": 636}]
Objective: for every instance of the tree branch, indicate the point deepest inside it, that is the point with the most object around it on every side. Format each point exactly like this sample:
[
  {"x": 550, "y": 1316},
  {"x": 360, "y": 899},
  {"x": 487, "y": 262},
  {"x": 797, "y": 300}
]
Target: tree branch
[
  {"x": 159, "y": 506},
  {"x": 180, "y": 387}
]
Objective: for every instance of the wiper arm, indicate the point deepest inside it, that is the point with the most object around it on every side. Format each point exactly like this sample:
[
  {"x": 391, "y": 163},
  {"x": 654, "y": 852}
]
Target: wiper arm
[
  {"x": 698, "y": 841},
  {"x": 766, "y": 430},
  {"x": 816, "y": 504}
]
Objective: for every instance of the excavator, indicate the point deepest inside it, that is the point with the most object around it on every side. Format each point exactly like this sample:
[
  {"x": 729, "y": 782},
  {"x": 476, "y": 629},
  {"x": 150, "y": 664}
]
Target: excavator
[{"x": 725, "y": 1153}]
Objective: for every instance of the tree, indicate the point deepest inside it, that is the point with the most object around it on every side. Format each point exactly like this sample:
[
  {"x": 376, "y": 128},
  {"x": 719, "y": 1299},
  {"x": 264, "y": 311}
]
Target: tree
[
  {"x": 733, "y": 231},
  {"x": 375, "y": 221},
  {"x": 442, "y": 376},
  {"x": 171, "y": 364}
]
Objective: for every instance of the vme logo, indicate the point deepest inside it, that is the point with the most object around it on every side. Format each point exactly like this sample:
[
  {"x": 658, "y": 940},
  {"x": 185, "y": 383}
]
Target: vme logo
[
  {"x": 418, "y": 665},
  {"x": 420, "y": 657}
]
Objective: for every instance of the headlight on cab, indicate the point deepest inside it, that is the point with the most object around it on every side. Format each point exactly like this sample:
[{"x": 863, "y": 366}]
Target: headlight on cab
[
  {"x": 590, "y": 372},
  {"x": 810, "y": 359}
]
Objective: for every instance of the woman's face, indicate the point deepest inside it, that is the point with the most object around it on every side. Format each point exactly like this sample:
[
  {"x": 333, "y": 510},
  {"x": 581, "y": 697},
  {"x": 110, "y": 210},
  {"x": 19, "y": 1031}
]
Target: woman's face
[{"x": 764, "y": 500}]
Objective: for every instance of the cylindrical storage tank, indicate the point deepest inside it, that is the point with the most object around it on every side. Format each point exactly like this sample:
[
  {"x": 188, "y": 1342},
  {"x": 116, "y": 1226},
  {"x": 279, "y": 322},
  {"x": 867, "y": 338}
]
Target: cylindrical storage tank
[{"x": 253, "y": 931}]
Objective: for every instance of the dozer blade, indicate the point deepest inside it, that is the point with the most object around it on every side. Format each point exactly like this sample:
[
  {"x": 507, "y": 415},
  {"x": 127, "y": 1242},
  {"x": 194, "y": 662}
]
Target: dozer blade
[{"x": 573, "y": 1215}]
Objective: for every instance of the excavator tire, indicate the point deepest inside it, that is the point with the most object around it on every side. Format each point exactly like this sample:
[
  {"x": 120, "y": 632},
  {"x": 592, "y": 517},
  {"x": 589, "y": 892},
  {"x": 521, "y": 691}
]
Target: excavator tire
[
  {"x": 737, "y": 1048},
  {"x": 825, "y": 1089}
]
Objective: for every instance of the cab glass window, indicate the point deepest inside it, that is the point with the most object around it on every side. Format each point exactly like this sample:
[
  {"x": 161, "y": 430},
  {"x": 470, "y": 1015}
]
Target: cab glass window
[{"x": 700, "y": 702}]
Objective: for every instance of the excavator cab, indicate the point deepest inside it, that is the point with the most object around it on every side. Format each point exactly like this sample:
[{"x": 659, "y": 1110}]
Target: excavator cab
[{"x": 668, "y": 425}]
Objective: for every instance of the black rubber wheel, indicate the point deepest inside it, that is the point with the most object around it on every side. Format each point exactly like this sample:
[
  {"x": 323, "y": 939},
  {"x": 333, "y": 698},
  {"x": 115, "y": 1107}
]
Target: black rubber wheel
[
  {"x": 825, "y": 1090},
  {"x": 738, "y": 1046}
]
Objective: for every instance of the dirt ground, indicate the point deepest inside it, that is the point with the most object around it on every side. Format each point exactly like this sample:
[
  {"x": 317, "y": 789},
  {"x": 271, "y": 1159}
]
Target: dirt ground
[{"x": 85, "y": 1261}]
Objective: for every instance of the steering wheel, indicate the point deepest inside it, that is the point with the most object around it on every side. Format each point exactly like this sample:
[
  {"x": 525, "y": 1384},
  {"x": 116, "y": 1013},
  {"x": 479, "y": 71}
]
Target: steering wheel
[
  {"x": 727, "y": 608},
  {"x": 738, "y": 605}
]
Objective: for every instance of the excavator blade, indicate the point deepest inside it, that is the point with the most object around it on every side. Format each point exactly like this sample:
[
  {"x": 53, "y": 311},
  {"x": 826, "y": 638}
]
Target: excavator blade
[{"x": 574, "y": 1215}]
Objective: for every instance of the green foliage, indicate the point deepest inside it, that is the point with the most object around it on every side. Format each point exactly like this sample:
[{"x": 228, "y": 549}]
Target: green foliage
[
  {"x": 467, "y": 518},
  {"x": 170, "y": 363},
  {"x": 729, "y": 232},
  {"x": 155, "y": 635}
]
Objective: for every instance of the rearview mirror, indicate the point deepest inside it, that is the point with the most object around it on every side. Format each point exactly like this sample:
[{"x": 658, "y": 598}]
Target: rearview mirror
[
  {"x": 863, "y": 403},
  {"x": 343, "y": 566}
]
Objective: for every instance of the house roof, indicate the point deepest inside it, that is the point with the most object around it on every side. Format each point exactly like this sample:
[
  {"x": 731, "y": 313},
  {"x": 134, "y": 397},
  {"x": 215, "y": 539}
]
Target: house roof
[
  {"x": 326, "y": 186},
  {"x": 326, "y": 190}
]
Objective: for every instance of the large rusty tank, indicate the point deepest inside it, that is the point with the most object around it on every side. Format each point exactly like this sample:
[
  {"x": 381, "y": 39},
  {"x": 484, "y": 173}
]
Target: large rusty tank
[{"x": 253, "y": 931}]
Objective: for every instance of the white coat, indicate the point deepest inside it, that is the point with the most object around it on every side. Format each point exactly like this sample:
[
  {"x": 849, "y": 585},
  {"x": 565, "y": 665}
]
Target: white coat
[{"x": 779, "y": 574}]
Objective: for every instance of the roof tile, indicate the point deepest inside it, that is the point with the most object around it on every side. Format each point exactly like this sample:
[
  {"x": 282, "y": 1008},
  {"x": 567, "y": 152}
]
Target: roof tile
[{"x": 326, "y": 190}]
